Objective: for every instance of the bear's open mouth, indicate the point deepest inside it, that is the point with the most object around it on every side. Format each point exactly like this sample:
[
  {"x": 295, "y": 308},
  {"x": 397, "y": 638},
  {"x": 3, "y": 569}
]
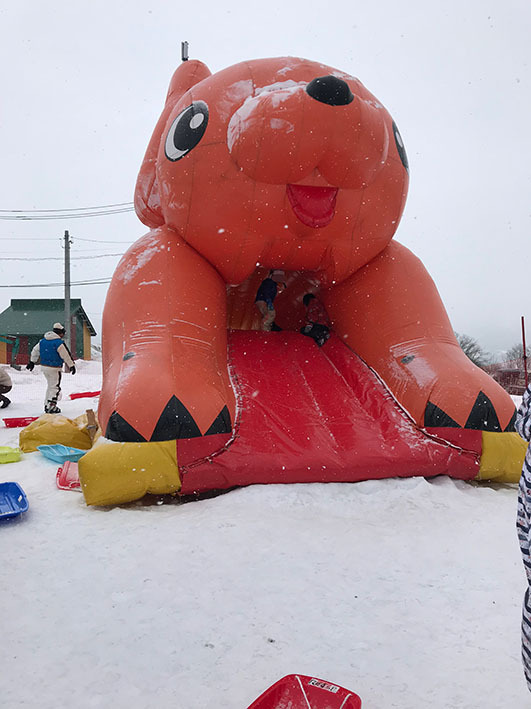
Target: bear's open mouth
[{"x": 314, "y": 206}]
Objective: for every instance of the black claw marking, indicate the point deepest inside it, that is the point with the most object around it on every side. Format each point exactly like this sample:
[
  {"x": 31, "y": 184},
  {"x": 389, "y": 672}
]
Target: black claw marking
[
  {"x": 434, "y": 417},
  {"x": 483, "y": 416},
  {"x": 510, "y": 425},
  {"x": 119, "y": 430},
  {"x": 221, "y": 423},
  {"x": 175, "y": 422}
]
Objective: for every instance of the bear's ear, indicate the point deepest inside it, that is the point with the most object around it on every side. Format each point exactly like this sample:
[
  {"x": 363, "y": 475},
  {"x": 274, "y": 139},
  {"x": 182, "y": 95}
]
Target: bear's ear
[{"x": 147, "y": 197}]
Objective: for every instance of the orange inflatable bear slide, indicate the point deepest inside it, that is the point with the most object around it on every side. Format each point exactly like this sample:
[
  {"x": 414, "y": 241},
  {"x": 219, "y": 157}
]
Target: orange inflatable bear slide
[{"x": 281, "y": 163}]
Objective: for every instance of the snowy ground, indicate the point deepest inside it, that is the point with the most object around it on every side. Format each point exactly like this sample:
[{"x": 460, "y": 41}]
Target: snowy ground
[{"x": 405, "y": 591}]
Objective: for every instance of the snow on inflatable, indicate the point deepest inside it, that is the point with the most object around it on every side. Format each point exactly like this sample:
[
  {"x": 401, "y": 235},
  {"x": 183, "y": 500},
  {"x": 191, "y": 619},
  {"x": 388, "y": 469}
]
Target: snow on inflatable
[{"x": 281, "y": 164}]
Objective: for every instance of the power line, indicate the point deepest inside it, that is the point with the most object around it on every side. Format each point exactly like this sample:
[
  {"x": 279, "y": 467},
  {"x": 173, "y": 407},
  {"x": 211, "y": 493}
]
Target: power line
[
  {"x": 94, "y": 282},
  {"x": 72, "y": 209},
  {"x": 55, "y": 238},
  {"x": 55, "y": 258},
  {"x": 29, "y": 238},
  {"x": 84, "y": 258},
  {"x": 83, "y": 215},
  {"x": 78, "y": 251},
  {"x": 91, "y": 251},
  {"x": 102, "y": 241}
]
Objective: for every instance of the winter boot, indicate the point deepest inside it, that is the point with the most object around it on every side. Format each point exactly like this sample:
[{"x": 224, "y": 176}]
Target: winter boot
[{"x": 52, "y": 408}]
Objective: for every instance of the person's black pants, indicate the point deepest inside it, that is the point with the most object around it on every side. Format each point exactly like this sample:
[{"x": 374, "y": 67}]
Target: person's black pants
[
  {"x": 4, "y": 401},
  {"x": 318, "y": 333}
]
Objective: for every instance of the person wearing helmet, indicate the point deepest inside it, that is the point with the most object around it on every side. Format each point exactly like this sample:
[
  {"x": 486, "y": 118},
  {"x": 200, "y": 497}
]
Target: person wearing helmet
[
  {"x": 52, "y": 353},
  {"x": 265, "y": 298}
]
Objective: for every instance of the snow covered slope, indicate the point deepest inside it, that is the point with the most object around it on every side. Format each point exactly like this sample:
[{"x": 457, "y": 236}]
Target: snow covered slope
[{"x": 406, "y": 591}]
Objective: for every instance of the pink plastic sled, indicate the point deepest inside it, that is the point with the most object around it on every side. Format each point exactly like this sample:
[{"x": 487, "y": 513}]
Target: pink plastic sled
[{"x": 67, "y": 477}]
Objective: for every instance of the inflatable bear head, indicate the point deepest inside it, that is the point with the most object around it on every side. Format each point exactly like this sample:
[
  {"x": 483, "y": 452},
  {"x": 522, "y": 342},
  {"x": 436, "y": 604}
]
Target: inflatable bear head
[{"x": 276, "y": 163}]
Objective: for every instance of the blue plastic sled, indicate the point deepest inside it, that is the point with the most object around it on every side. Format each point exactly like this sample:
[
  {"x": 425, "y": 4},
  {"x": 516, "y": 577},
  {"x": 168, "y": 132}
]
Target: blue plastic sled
[
  {"x": 59, "y": 453},
  {"x": 13, "y": 500}
]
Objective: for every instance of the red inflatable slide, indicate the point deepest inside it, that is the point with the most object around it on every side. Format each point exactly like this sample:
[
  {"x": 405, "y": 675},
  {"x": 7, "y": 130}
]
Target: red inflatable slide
[{"x": 309, "y": 414}]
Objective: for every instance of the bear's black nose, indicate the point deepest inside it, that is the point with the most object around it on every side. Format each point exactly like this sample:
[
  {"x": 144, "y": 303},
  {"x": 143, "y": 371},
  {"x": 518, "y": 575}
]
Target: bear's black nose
[{"x": 331, "y": 90}]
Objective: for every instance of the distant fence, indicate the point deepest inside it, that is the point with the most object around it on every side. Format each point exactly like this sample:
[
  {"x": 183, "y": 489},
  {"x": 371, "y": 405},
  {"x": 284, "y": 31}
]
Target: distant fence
[{"x": 510, "y": 375}]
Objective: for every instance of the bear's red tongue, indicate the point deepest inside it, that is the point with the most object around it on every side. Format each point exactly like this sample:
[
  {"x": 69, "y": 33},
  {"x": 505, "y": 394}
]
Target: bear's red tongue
[{"x": 314, "y": 206}]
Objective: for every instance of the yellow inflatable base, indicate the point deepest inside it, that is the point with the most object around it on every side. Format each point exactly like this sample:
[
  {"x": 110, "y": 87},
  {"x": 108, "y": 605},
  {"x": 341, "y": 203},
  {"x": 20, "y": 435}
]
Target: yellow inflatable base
[
  {"x": 54, "y": 428},
  {"x": 113, "y": 473},
  {"x": 502, "y": 457}
]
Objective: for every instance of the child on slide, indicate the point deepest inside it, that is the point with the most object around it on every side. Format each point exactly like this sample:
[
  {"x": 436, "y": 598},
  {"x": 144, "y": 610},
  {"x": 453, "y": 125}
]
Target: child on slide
[
  {"x": 265, "y": 297},
  {"x": 317, "y": 324}
]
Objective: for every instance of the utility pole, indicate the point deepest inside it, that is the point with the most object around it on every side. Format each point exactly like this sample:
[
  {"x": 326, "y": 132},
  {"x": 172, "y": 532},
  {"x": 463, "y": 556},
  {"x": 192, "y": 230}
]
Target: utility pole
[{"x": 67, "y": 289}]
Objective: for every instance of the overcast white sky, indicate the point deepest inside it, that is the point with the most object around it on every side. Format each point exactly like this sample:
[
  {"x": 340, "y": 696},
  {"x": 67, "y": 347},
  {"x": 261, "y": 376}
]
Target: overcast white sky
[{"x": 83, "y": 85}]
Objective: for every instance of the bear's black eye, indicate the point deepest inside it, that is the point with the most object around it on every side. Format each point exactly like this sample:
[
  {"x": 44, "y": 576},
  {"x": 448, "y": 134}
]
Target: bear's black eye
[
  {"x": 186, "y": 130},
  {"x": 400, "y": 147}
]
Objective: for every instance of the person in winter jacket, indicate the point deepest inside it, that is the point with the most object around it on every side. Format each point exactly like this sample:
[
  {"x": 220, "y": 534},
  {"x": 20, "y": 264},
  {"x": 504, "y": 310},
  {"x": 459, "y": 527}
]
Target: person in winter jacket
[
  {"x": 317, "y": 324},
  {"x": 523, "y": 525},
  {"x": 265, "y": 297},
  {"x": 52, "y": 353},
  {"x": 5, "y": 385}
]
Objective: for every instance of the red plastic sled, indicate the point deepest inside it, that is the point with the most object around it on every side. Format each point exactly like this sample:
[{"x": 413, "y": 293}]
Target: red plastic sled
[
  {"x": 19, "y": 422},
  {"x": 85, "y": 394},
  {"x": 67, "y": 477},
  {"x": 302, "y": 692}
]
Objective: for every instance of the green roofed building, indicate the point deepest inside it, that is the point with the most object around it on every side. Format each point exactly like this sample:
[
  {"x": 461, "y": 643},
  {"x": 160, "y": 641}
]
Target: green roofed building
[{"x": 26, "y": 320}]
